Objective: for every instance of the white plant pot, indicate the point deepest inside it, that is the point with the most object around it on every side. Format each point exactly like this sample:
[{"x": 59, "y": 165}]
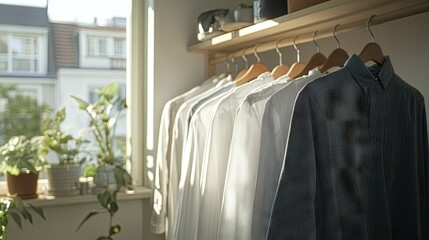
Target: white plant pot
[
  {"x": 243, "y": 15},
  {"x": 105, "y": 179},
  {"x": 63, "y": 180}
]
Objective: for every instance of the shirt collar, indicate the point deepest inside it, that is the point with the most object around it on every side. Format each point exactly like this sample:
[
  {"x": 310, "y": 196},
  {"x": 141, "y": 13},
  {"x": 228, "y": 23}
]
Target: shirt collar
[{"x": 363, "y": 74}]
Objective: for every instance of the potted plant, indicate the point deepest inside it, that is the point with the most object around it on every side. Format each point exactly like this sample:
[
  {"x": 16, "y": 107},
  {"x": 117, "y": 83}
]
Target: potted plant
[
  {"x": 63, "y": 177},
  {"x": 110, "y": 176},
  {"x": 103, "y": 117},
  {"x": 244, "y": 13},
  {"x": 21, "y": 160},
  {"x": 12, "y": 206}
]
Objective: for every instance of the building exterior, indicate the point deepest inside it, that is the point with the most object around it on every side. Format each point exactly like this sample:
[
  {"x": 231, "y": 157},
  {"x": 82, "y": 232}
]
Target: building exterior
[
  {"x": 27, "y": 53},
  {"x": 87, "y": 57},
  {"x": 51, "y": 61}
]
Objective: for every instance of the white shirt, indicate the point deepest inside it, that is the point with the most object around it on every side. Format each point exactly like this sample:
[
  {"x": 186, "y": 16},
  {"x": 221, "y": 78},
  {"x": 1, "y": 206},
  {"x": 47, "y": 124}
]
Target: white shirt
[
  {"x": 215, "y": 158},
  {"x": 179, "y": 134},
  {"x": 237, "y": 204},
  {"x": 274, "y": 133},
  {"x": 188, "y": 197},
  {"x": 163, "y": 153}
]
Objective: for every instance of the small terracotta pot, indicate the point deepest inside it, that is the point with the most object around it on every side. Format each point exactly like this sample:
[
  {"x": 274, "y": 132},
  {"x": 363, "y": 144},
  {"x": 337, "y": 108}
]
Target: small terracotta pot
[{"x": 24, "y": 185}]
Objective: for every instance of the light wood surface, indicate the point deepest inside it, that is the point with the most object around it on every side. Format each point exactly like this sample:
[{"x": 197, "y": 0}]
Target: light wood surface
[{"x": 349, "y": 14}]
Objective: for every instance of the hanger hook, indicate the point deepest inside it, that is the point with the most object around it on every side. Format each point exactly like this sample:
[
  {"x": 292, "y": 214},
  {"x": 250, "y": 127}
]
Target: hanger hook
[
  {"x": 234, "y": 62},
  {"x": 245, "y": 58},
  {"x": 228, "y": 66},
  {"x": 296, "y": 48},
  {"x": 314, "y": 41},
  {"x": 369, "y": 29},
  {"x": 335, "y": 36},
  {"x": 278, "y": 51},
  {"x": 255, "y": 52}
]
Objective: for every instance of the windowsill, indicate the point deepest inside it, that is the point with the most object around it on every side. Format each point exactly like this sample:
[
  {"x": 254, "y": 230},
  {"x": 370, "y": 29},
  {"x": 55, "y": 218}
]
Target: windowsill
[{"x": 139, "y": 193}]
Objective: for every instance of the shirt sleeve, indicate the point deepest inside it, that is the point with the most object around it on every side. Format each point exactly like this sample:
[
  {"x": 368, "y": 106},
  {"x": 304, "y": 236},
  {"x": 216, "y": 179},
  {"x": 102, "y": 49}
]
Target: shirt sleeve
[
  {"x": 239, "y": 191},
  {"x": 424, "y": 189},
  {"x": 161, "y": 175},
  {"x": 294, "y": 213}
]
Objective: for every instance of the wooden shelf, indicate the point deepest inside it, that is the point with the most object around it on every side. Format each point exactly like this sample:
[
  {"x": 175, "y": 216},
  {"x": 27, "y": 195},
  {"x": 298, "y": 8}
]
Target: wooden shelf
[{"x": 350, "y": 14}]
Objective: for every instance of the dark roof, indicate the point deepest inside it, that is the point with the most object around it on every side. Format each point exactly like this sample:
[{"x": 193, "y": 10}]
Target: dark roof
[
  {"x": 65, "y": 43},
  {"x": 13, "y": 15}
]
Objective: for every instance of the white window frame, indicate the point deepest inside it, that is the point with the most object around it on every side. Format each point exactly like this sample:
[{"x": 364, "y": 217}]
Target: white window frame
[
  {"x": 124, "y": 47},
  {"x": 42, "y": 46},
  {"x": 97, "y": 52},
  {"x": 110, "y": 42}
]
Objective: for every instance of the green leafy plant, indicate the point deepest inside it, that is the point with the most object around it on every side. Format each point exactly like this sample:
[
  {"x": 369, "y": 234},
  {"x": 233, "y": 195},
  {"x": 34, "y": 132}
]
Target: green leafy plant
[
  {"x": 13, "y": 207},
  {"x": 104, "y": 115},
  {"x": 20, "y": 115},
  {"x": 20, "y": 153},
  {"x": 245, "y": 5},
  {"x": 109, "y": 206},
  {"x": 64, "y": 145}
]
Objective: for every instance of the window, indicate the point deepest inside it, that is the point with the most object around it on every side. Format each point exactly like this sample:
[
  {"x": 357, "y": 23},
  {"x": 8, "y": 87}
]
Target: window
[
  {"x": 20, "y": 53},
  {"x": 106, "y": 46},
  {"x": 97, "y": 46},
  {"x": 80, "y": 56},
  {"x": 119, "y": 48},
  {"x": 3, "y": 53}
]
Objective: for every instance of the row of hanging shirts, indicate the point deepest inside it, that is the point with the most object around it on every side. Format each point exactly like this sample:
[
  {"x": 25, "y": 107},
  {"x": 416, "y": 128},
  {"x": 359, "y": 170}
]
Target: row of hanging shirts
[{"x": 223, "y": 146}]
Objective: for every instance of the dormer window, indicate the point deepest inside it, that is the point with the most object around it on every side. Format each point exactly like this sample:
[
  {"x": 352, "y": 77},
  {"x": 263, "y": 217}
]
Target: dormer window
[
  {"x": 102, "y": 49},
  {"x": 21, "y": 53},
  {"x": 97, "y": 46}
]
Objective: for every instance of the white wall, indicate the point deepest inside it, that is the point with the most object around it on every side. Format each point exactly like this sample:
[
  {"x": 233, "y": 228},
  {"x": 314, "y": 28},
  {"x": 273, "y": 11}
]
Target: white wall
[
  {"x": 62, "y": 222},
  {"x": 177, "y": 70}
]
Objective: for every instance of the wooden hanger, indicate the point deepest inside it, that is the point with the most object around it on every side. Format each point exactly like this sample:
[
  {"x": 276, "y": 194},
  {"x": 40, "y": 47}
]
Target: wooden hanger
[
  {"x": 228, "y": 68},
  {"x": 337, "y": 58},
  {"x": 280, "y": 69},
  {"x": 372, "y": 51},
  {"x": 297, "y": 66},
  {"x": 318, "y": 59},
  {"x": 234, "y": 63},
  {"x": 254, "y": 71},
  {"x": 246, "y": 62}
]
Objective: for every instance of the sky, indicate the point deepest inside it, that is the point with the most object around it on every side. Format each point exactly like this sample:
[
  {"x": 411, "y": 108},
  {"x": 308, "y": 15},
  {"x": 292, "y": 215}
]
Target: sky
[{"x": 82, "y": 11}]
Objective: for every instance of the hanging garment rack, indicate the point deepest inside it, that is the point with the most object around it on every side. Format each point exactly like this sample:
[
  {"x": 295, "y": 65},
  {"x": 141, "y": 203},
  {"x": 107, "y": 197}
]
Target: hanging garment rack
[{"x": 351, "y": 15}]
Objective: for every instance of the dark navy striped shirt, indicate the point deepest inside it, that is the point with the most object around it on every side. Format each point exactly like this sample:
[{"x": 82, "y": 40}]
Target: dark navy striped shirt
[{"x": 356, "y": 164}]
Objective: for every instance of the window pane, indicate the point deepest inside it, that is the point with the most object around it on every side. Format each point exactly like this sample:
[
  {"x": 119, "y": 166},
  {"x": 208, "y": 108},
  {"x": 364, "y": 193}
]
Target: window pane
[
  {"x": 3, "y": 65},
  {"x": 36, "y": 65},
  {"x": 3, "y": 44},
  {"x": 91, "y": 46},
  {"x": 21, "y": 65},
  {"x": 27, "y": 48},
  {"x": 35, "y": 46},
  {"x": 102, "y": 47},
  {"x": 119, "y": 46},
  {"x": 17, "y": 45}
]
